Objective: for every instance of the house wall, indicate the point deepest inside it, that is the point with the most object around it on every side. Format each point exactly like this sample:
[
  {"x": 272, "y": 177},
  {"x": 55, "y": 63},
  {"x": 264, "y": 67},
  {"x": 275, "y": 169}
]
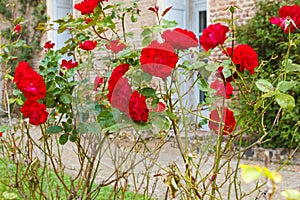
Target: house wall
[{"x": 218, "y": 10}]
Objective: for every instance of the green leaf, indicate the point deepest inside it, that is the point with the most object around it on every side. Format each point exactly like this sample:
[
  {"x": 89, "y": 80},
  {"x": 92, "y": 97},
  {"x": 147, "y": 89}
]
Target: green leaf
[
  {"x": 202, "y": 85},
  {"x": 269, "y": 94},
  {"x": 63, "y": 139},
  {"x": 146, "y": 41},
  {"x": 273, "y": 176},
  {"x": 161, "y": 122},
  {"x": 292, "y": 67},
  {"x": 250, "y": 173},
  {"x": 264, "y": 85},
  {"x": 285, "y": 101},
  {"x": 54, "y": 129},
  {"x": 66, "y": 98},
  {"x": 147, "y": 31},
  {"x": 107, "y": 22},
  {"x": 291, "y": 194},
  {"x": 169, "y": 23},
  {"x": 9, "y": 195},
  {"x": 286, "y": 85},
  {"x": 148, "y": 92},
  {"x": 4, "y": 128}
]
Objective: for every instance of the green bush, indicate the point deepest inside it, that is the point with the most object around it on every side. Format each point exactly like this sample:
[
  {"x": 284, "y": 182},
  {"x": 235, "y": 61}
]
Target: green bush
[{"x": 266, "y": 39}]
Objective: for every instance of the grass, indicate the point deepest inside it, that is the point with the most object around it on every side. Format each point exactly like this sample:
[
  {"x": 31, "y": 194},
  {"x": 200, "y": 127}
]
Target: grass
[{"x": 7, "y": 171}]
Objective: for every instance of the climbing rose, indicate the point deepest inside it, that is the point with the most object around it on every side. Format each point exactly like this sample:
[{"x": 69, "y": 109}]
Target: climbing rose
[
  {"x": 228, "y": 121},
  {"x": 289, "y": 18},
  {"x": 29, "y": 82},
  {"x": 120, "y": 95},
  {"x": 68, "y": 64},
  {"x": 36, "y": 112},
  {"x": 180, "y": 38},
  {"x": 245, "y": 58},
  {"x": 87, "y": 6},
  {"x": 48, "y": 45},
  {"x": 213, "y": 35},
  {"x": 158, "y": 59},
  {"x": 138, "y": 110},
  {"x": 219, "y": 86},
  {"x": 88, "y": 45},
  {"x": 17, "y": 28},
  {"x": 116, "y": 74},
  {"x": 115, "y": 46}
]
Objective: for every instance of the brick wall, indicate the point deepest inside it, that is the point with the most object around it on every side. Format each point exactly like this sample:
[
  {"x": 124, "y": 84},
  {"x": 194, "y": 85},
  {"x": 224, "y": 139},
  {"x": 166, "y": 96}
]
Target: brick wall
[{"x": 217, "y": 10}]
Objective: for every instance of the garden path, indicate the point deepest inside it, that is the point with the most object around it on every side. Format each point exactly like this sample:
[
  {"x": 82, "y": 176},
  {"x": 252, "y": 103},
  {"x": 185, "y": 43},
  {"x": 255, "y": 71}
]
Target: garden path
[{"x": 170, "y": 155}]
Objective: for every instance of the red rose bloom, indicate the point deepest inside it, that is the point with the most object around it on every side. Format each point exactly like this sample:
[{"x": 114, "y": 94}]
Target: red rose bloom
[
  {"x": 120, "y": 95},
  {"x": 88, "y": 45},
  {"x": 138, "y": 110},
  {"x": 69, "y": 64},
  {"x": 158, "y": 59},
  {"x": 88, "y": 20},
  {"x": 116, "y": 74},
  {"x": 180, "y": 38},
  {"x": 213, "y": 35},
  {"x": 115, "y": 46},
  {"x": 228, "y": 121},
  {"x": 245, "y": 58},
  {"x": 86, "y": 6},
  {"x": 35, "y": 111},
  {"x": 219, "y": 86},
  {"x": 48, "y": 45},
  {"x": 29, "y": 82},
  {"x": 17, "y": 28},
  {"x": 98, "y": 81},
  {"x": 289, "y": 18},
  {"x": 22, "y": 70},
  {"x": 160, "y": 107}
]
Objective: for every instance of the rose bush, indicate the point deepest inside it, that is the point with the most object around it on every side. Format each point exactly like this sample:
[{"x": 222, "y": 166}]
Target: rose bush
[{"x": 96, "y": 115}]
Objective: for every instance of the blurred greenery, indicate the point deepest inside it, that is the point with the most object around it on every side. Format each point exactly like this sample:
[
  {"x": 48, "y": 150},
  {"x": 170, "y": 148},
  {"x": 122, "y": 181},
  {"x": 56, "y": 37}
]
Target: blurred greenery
[{"x": 269, "y": 40}]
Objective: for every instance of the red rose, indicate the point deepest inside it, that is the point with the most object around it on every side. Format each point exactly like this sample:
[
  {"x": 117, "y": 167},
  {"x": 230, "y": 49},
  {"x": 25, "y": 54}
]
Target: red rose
[
  {"x": 115, "y": 46},
  {"x": 289, "y": 18},
  {"x": 158, "y": 59},
  {"x": 22, "y": 70},
  {"x": 17, "y": 28},
  {"x": 116, "y": 74},
  {"x": 213, "y": 35},
  {"x": 160, "y": 107},
  {"x": 1, "y": 134},
  {"x": 29, "y": 82},
  {"x": 69, "y": 64},
  {"x": 36, "y": 112},
  {"x": 48, "y": 45},
  {"x": 120, "y": 95},
  {"x": 138, "y": 110},
  {"x": 228, "y": 121},
  {"x": 87, "y": 6},
  {"x": 180, "y": 38},
  {"x": 98, "y": 81},
  {"x": 219, "y": 86},
  {"x": 88, "y": 45},
  {"x": 88, "y": 20},
  {"x": 245, "y": 58}
]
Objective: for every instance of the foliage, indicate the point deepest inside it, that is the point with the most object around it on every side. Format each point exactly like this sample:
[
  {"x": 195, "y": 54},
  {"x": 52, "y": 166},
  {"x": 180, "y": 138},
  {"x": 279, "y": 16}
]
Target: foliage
[
  {"x": 100, "y": 121},
  {"x": 267, "y": 39},
  {"x": 30, "y": 35}
]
